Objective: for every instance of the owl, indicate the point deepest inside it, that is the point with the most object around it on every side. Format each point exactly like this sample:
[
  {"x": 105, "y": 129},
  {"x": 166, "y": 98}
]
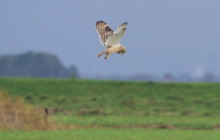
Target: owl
[{"x": 111, "y": 39}]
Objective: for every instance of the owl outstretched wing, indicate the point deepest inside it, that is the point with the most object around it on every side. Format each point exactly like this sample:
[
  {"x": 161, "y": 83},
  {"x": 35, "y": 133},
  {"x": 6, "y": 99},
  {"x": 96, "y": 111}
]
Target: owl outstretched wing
[
  {"x": 104, "y": 31},
  {"x": 118, "y": 34}
]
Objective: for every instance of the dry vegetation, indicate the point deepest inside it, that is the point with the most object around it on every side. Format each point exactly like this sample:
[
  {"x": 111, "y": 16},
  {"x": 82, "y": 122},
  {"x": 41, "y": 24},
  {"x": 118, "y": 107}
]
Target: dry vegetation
[{"x": 15, "y": 114}]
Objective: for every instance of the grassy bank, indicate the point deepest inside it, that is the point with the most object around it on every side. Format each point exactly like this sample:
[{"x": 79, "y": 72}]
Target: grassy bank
[
  {"x": 117, "y": 104},
  {"x": 84, "y": 97}
]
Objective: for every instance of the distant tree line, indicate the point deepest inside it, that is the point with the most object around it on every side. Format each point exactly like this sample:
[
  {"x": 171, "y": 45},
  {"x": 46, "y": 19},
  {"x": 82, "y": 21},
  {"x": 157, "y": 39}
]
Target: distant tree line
[{"x": 32, "y": 64}]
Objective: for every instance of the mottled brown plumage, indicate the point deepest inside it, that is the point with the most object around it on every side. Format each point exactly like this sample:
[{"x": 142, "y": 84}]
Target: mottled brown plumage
[{"x": 104, "y": 31}]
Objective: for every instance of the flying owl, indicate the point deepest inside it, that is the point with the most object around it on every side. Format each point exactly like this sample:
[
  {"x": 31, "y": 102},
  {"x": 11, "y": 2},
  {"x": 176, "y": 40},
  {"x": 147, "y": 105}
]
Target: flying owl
[{"x": 110, "y": 39}]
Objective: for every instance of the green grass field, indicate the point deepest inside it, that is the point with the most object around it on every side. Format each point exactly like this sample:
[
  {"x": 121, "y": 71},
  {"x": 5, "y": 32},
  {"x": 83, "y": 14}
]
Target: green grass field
[
  {"x": 169, "y": 122},
  {"x": 120, "y": 109},
  {"x": 112, "y": 134}
]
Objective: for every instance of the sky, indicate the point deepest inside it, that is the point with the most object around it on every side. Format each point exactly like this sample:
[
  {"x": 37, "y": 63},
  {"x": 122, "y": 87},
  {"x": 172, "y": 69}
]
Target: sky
[{"x": 172, "y": 36}]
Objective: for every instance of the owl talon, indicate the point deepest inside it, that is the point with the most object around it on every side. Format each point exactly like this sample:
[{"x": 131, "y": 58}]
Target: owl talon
[{"x": 106, "y": 57}]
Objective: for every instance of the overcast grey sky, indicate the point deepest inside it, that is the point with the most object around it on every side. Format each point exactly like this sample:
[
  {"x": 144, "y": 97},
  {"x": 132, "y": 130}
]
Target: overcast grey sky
[{"x": 175, "y": 36}]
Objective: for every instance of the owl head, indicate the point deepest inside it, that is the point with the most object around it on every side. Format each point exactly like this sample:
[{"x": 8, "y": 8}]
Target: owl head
[{"x": 122, "y": 50}]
